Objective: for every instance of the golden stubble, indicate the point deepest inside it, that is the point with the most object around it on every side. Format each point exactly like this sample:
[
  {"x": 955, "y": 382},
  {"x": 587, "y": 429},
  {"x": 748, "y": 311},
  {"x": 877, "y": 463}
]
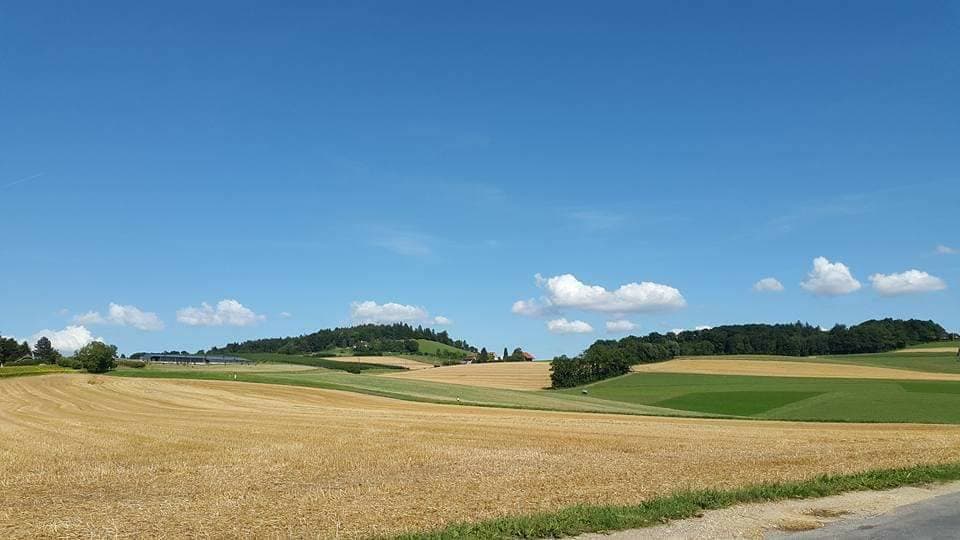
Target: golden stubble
[
  {"x": 506, "y": 375},
  {"x": 778, "y": 368},
  {"x": 84, "y": 456}
]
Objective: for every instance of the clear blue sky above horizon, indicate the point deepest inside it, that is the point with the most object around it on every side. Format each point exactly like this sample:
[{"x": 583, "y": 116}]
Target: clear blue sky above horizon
[{"x": 303, "y": 158}]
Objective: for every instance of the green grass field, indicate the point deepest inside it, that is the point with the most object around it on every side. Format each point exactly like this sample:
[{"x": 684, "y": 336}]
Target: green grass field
[
  {"x": 433, "y": 347},
  {"x": 921, "y": 361},
  {"x": 23, "y": 371},
  {"x": 409, "y": 389},
  {"x": 320, "y": 362},
  {"x": 936, "y": 345},
  {"x": 788, "y": 398},
  {"x": 336, "y": 351}
]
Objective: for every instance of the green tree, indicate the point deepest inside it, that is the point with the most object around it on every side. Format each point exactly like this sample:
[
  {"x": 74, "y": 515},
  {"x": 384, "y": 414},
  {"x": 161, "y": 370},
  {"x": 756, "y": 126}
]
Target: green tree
[
  {"x": 44, "y": 351},
  {"x": 505, "y": 357},
  {"x": 484, "y": 356},
  {"x": 97, "y": 357}
]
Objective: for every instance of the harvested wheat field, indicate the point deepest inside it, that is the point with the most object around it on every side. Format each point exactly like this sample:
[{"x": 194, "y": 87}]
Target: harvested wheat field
[
  {"x": 916, "y": 350},
  {"x": 88, "y": 456},
  {"x": 398, "y": 361},
  {"x": 508, "y": 375},
  {"x": 777, "y": 368}
]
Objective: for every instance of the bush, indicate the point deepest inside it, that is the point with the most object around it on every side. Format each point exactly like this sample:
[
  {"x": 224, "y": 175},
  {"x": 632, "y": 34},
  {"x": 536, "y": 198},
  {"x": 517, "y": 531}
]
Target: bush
[
  {"x": 132, "y": 363},
  {"x": 97, "y": 357},
  {"x": 69, "y": 362}
]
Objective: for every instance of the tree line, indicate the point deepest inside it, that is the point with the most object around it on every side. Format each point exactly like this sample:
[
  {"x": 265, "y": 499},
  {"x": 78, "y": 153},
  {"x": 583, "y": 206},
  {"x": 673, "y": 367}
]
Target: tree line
[
  {"x": 610, "y": 358},
  {"x": 361, "y": 337},
  {"x": 95, "y": 357}
]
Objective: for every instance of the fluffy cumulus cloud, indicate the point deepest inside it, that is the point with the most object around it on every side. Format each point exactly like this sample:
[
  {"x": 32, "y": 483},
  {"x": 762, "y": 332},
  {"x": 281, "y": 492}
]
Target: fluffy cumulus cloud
[
  {"x": 563, "y": 326},
  {"x": 830, "y": 279},
  {"x": 123, "y": 316},
  {"x": 947, "y": 250},
  {"x": 768, "y": 284},
  {"x": 568, "y": 292},
  {"x": 68, "y": 340},
  {"x": 226, "y": 313},
  {"x": 369, "y": 311},
  {"x": 529, "y": 308},
  {"x": 911, "y": 281},
  {"x": 621, "y": 326},
  {"x": 701, "y": 327}
]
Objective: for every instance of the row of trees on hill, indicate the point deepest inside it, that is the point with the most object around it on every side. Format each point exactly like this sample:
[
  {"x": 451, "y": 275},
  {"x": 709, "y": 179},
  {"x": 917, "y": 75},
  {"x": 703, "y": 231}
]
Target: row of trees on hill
[
  {"x": 516, "y": 356},
  {"x": 610, "y": 358},
  {"x": 357, "y": 337},
  {"x": 800, "y": 339}
]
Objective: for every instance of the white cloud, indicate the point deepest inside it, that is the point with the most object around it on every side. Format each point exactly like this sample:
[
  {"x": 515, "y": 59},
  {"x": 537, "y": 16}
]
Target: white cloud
[
  {"x": 529, "y": 308},
  {"x": 368, "y": 311},
  {"x": 68, "y": 340},
  {"x": 123, "y": 316},
  {"x": 768, "y": 284},
  {"x": 701, "y": 327},
  {"x": 947, "y": 250},
  {"x": 911, "y": 281},
  {"x": 563, "y": 326},
  {"x": 285, "y": 315},
  {"x": 566, "y": 291},
  {"x": 227, "y": 313},
  {"x": 372, "y": 312},
  {"x": 830, "y": 279},
  {"x": 621, "y": 326}
]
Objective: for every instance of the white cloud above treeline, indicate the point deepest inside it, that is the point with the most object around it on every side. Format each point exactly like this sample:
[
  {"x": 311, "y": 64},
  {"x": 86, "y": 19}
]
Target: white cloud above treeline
[
  {"x": 369, "y": 311},
  {"x": 947, "y": 250},
  {"x": 567, "y": 292},
  {"x": 830, "y": 279},
  {"x": 621, "y": 326},
  {"x": 768, "y": 284},
  {"x": 563, "y": 326},
  {"x": 700, "y": 327},
  {"x": 68, "y": 340},
  {"x": 121, "y": 315},
  {"x": 227, "y": 312},
  {"x": 909, "y": 282}
]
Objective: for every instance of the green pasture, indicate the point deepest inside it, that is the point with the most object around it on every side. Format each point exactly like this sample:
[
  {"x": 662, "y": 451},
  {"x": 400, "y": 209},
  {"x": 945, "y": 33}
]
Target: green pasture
[{"x": 787, "y": 398}]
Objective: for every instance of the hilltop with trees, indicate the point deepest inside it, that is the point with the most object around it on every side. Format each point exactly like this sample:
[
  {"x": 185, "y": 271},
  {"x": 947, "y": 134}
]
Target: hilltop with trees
[
  {"x": 610, "y": 358},
  {"x": 362, "y": 339}
]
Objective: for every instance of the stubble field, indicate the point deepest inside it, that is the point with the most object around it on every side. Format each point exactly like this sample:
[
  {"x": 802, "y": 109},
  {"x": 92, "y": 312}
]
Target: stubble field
[
  {"x": 88, "y": 456},
  {"x": 507, "y": 375},
  {"x": 788, "y": 368}
]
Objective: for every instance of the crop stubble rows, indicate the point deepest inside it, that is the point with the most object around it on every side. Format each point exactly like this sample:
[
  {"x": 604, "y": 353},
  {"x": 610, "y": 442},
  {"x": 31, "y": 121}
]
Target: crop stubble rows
[{"x": 98, "y": 456}]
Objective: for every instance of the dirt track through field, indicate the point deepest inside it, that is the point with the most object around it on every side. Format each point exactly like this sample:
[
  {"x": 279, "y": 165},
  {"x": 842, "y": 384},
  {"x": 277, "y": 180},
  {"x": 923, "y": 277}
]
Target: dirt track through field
[
  {"x": 921, "y": 350},
  {"x": 508, "y": 375},
  {"x": 777, "y": 368},
  {"x": 85, "y": 456}
]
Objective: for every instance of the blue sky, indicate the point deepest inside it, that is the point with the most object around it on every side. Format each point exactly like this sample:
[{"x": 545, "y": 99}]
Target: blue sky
[{"x": 285, "y": 164}]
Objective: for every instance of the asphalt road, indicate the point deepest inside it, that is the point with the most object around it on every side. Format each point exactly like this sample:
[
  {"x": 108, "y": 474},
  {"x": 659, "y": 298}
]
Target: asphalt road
[{"x": 937, "y": 518}]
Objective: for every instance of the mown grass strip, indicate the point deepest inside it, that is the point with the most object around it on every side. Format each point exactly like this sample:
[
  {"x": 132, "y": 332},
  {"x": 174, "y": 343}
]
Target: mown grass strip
[
  {"x": 583, "y": 519},
  {"x": 26, "y": 371}
]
